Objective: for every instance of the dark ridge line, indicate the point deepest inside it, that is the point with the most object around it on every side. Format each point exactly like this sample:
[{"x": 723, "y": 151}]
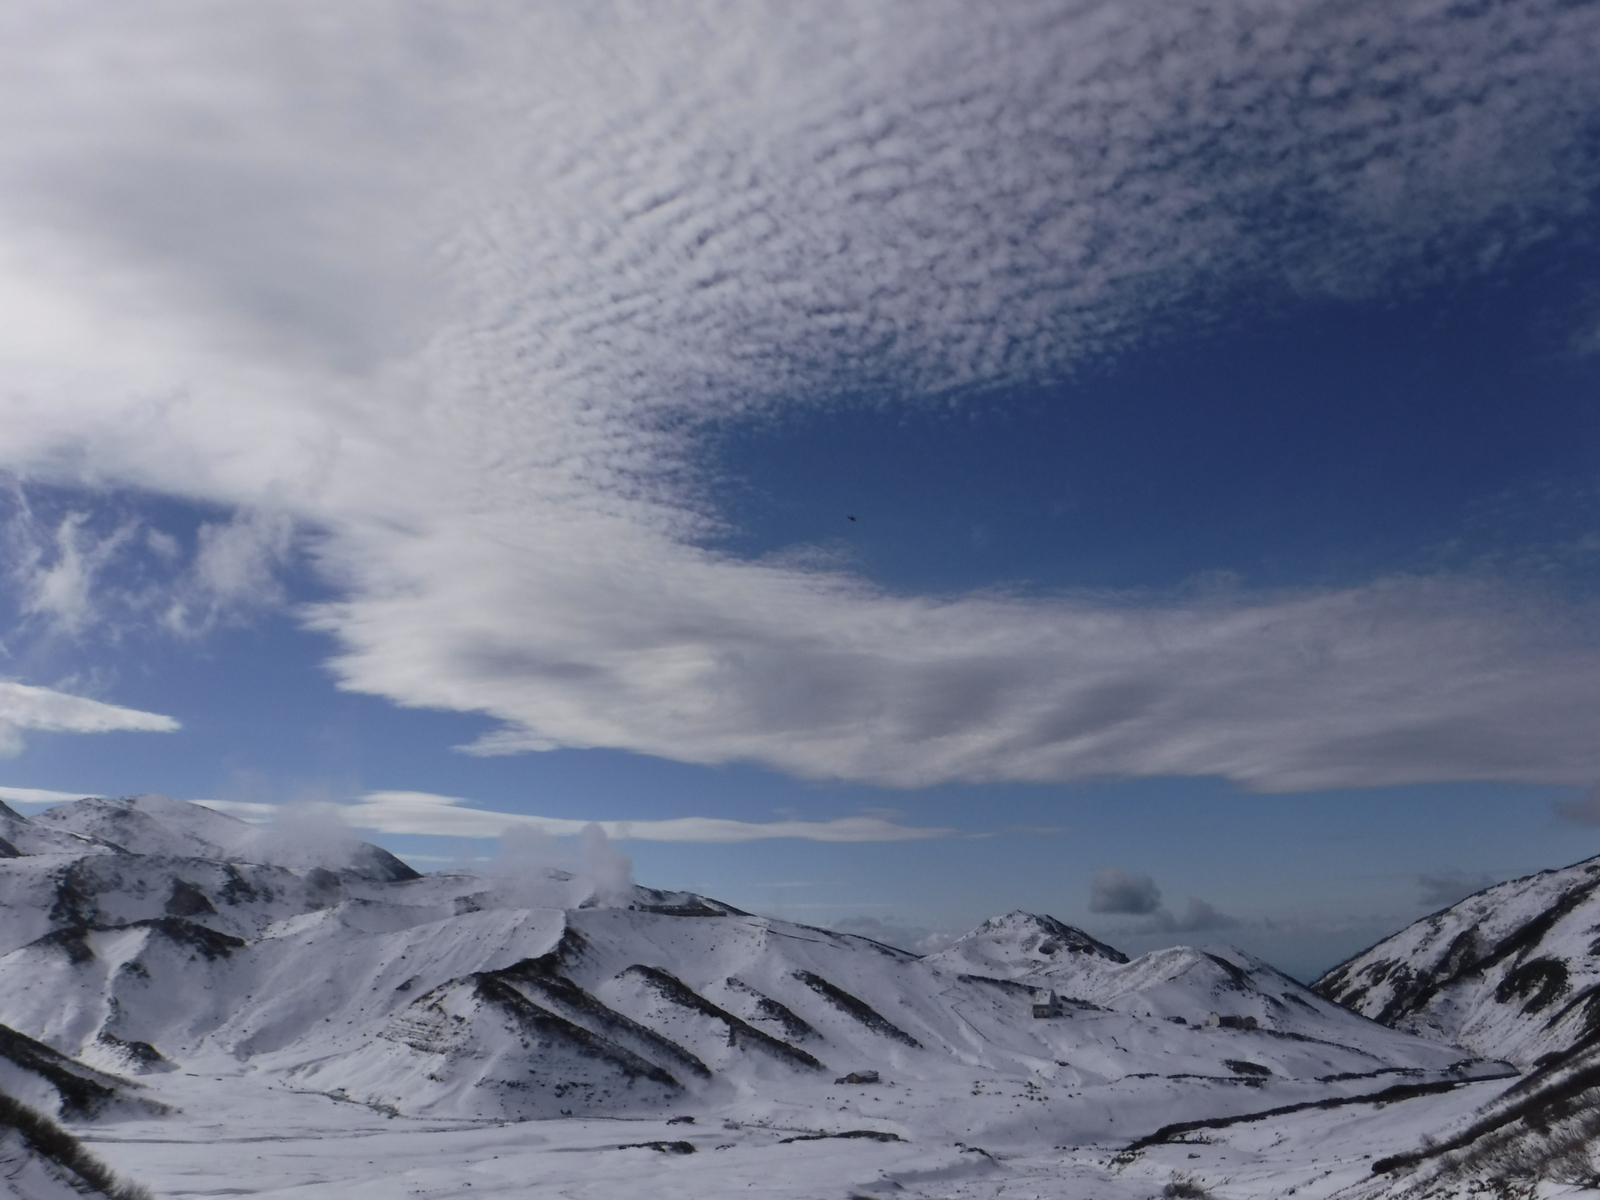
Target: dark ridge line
[
  {"x": 1346, "y": 1075},
  {"x": 1005, "y": 985},
  {"x": 541, "y": 1020},
  {"x": 208, "y": 941},
  {"x": 793, "y": 1024},
  {"x": 81, "y": 1096},
  {"x": 698, "y": 905},
  {"x": 1400, "y": 1091},
  {"x": 1239, "y": 976},
  {"x": 1316, "y": 1041},
  {"x": 55, "y": 1144},
  {"x": 672, "y": 988},
  {"x": 538, "y": 973},
  {"x": 834, "y": 935},
  {"x": 857, "y": 1008}
]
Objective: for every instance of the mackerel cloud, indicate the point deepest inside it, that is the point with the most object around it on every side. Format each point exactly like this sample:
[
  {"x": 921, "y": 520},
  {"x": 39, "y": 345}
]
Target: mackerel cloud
[{"x": 455, "y": 289}]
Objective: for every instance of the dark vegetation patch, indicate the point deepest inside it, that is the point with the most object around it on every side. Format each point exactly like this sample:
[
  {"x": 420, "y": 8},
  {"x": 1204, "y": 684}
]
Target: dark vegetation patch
[
  {"x": 51, "y": 1141},
  {"x": 1184, "y": 1187},
  {"x": 663, "y": 1147},
  {"x": 1344, "y": 1075},
  {"x": 547, "y": 1025},
  {"x": 207, "y": 942},
  {"x": 669, "y": 987},
  {"x": 74, "y": 940},
  {"x": 236, "y": 889},
  {"x": 1539, "y": 980},
  {"x": 81, "y": 1094},
  {"x": 1400, "y": 1091},
  {"x": 1541, "y": 1100},
  {"x": 874, "y": 1135},
  {"x": 793, "y": 1024},
  {"x": 1240, "y": 1067},
  {"x": 74, "y": 901},
  {"x": 1005, "y": 985},
  {"x": 854, "y": 1007}
]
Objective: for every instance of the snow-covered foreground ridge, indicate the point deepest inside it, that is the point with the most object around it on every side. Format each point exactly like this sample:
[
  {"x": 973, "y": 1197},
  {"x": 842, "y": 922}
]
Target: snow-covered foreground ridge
[
  {"x": 162, "y": 964},
  {"x": 1511, "y": 972}
]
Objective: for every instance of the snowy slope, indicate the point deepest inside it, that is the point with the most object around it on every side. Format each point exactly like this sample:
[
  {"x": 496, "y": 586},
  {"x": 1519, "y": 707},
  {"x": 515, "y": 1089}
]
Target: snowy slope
[
  {"x": 281, "y": 995},
  {"x": 181, "y": 941},
  {"x": 1511, "y": 972}
]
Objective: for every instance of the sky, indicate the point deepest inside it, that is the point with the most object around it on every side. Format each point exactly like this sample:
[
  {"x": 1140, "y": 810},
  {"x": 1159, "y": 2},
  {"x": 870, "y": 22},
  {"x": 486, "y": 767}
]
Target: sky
[{"x": 887, "y": 463}]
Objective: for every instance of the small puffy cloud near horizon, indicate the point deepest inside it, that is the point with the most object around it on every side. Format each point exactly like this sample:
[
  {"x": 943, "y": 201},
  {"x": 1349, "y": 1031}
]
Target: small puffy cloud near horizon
[{"x": 1114, "y": 890}]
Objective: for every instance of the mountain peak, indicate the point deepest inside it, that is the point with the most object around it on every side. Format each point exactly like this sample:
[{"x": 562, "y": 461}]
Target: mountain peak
[{"x": 1022, "y": 943}]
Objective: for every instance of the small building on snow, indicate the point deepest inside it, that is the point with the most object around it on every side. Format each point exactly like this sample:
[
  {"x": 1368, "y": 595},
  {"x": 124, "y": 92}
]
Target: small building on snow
[{"x": 1047, "y": 1004}]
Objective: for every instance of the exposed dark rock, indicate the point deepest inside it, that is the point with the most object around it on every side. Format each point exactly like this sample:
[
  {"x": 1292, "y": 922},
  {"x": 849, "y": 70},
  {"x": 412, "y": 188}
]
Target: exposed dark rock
[
  {"x": 874, "y": 1135},
  {"x": 187, "y": 900},
  {"x": 663, "y": 1147}
]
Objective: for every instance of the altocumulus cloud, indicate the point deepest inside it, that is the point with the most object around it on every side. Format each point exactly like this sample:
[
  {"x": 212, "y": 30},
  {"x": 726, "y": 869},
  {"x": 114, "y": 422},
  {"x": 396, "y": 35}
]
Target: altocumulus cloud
[{"x": 453, "y": 289}]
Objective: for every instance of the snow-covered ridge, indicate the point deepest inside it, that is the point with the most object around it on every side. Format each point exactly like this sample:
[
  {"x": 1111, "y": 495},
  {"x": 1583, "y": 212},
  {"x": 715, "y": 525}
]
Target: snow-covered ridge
[
  {"x": 171, "y": 942},
  {"x": 1510, "y": 972}
]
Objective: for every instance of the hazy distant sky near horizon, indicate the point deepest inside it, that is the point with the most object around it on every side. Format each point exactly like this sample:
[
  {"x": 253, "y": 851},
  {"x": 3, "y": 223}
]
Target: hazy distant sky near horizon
[{"x": 891, "y": 461}]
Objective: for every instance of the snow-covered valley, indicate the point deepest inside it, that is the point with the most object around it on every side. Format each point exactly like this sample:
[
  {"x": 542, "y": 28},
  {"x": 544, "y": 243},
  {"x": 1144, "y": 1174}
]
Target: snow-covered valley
[{"x": 216, "y": 1010}]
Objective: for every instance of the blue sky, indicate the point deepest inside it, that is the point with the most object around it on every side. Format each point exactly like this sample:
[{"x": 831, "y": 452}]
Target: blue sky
[{"x": 456, "y": 411}]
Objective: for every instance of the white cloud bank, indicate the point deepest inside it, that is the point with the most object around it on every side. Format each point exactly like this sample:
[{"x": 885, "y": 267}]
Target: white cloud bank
[
  {"x": 24, "y": 708},
  {"x": 453, "y": 287}
]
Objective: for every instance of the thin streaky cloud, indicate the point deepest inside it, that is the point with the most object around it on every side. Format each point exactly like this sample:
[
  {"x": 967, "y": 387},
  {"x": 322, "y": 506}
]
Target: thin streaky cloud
[
  {"x": 452, "y": 816},
  {"x": 24, "y": 708},
  {"x": 40, "y": 797}
]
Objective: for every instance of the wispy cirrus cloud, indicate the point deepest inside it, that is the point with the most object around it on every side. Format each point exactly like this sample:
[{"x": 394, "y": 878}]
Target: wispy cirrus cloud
[
  {"x": 458, "y": 291},
  {"x": 76, "y": 571}
]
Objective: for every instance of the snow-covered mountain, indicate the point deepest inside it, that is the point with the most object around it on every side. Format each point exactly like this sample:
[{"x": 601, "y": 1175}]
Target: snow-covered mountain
[
  {"x": 141, "y": 936},
  {"x": 172, "y": 972},
  {"x": 1511, "y": 972}
]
